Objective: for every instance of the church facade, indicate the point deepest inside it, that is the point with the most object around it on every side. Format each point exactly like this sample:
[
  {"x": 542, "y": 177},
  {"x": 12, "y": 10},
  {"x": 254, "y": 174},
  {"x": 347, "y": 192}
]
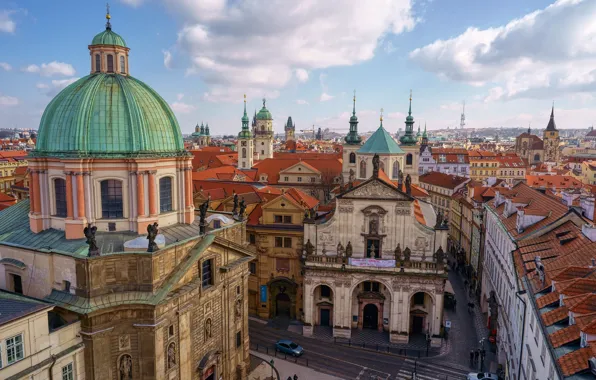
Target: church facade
[{"x": 376, "y": 262}]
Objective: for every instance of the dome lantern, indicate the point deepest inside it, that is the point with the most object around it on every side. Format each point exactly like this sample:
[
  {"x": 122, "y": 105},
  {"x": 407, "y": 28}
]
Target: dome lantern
[{"x": 108, "y": 50}]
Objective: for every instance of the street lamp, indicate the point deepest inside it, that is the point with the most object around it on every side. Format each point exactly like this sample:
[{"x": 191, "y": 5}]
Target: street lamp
[{"x": 272, "y": 367}]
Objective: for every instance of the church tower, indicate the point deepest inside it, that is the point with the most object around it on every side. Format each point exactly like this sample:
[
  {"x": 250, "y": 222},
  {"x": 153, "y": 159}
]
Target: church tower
[
  {"x": 551, "y": 139},
  {"x": 410, "y": 147},
  {"x": 353, "y": 143},
  {"x": 290, "y": 129},
  {"x": 245, "y": 143},
  {"x": 264, "y": 134}
]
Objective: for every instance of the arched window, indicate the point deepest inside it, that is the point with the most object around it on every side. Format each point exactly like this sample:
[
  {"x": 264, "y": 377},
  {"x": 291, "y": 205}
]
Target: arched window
[
  {"x": 352, "y": 158},
  {"x": 363, "y": 169},
  {"x": 60, "y": 196},
  {"x": 122, "y": 68},
  {"x": 97, "y": 63},
  {"x": 243, "y": 152},
  {"x": 165, "y": 194},
  {"x": 536, "y": 157},
  {"x": 111, "y": 199},
  {"x": 110, "y": 63},
  {"x": 409, "y": 159},
  {"x": 395, "y": 173}
]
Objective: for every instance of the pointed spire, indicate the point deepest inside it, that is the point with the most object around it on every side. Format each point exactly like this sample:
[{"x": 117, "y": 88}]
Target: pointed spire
[
  {"x": 245, "y": 106},
  {"x": 108, "y": 17},
  {"x": 551, "y": 123},
  {"x": 354, "y": 107},
  {"x": 410, "y": 110},
  {"x": 381, "y": 118}
]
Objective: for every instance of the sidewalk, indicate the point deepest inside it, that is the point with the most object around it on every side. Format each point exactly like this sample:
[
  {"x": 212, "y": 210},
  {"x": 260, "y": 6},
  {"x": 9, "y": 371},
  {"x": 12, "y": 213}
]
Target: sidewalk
[{"x": 288, "y": 369}]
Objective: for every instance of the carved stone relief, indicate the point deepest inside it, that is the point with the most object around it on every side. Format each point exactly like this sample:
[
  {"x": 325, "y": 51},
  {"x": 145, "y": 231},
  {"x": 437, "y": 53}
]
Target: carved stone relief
[{"x": 124, "y": 342}]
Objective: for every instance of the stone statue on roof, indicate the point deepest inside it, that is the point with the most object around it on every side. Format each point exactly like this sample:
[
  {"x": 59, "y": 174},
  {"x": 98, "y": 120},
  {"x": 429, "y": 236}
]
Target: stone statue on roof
[
  {"x": 90, "y": 235},
  {"x": 235, "y": 209},
  {"x": 349, "y": 249},
  {"x": 309, "y": 248},
  {"x": 408, "y": 185},
  {"x": 376, "y": 161},
  {"x": 400, "y": 179},
  {"x": 242, "y": 209},
  {"x": 397, "y": 253},
  {"x": 340, "y": 250},
  {"x": 439, "y": 219},
  {"x": 152, "y": 231}
]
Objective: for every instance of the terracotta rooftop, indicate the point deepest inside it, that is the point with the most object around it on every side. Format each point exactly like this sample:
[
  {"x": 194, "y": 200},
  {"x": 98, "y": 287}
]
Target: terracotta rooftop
[
  {"x": 564, "y": 336},
  {"x": 554, "y": 316},
  {"x": 553, "y": 181},
  {"x": 547, "y": 299},
  {"x": 447, "y": 181},
  {"x": 575, "y": 361}
]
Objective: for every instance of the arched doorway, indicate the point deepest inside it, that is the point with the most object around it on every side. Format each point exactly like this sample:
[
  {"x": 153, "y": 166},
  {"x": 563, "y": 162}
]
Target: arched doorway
[
  {"x": 283, "y": 305},
  {"x": 370, "y": 316},
  {"x": 421, "y": 313},
  {"x": 323, "y": 296},
  {"x": 282, "y": 298}
]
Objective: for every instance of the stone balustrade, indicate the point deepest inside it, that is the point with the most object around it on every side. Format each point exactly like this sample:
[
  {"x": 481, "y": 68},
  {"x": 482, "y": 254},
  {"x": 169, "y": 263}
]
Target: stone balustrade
[{"x": 386, "y": 265}]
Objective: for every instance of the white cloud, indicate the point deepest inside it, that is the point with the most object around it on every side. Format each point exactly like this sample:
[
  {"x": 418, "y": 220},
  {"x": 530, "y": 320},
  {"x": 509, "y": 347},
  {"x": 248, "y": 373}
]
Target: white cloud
[
  {"x": 7, "y": 25},
  {"x": 8, "y": 101},
  {"x": 5, "y": 66},
  {"x": 132, "y": 3},
  {"x": 325, "y": 97},
  {"x": 302, "y": 75},
  {"x": 226, "y": 94},
  {"x": 182, "y": 107},
  {"x": 301, "y": 102},
  {"x": 526, "y": 58},
  {"x": 42, "y": 86},
  {"x": 266, "y": 56},
  {"x": 55, "y": 86},
  {"x": 51, "y": 69},
  {"x": 167, "y": 59},
  {"x": 179, "y": 96}
]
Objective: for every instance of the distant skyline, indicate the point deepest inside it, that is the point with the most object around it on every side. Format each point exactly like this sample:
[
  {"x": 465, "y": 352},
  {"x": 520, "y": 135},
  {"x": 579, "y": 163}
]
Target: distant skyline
[{"x": 508, "y": 59}]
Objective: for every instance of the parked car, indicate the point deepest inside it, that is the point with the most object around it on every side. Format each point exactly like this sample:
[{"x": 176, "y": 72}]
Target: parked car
[
  {"x": 482, "y": 376},
  {"x": 288, "y": 347}
]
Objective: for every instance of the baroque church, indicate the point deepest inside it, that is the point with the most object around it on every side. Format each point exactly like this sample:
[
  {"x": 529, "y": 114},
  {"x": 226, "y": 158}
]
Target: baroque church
[
  {"x": 377, "y": 260},
  {"x": 109, "y": 235}
]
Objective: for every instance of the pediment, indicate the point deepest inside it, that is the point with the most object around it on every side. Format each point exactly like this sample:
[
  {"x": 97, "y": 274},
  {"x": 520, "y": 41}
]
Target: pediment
[
  {"x": 300, "y": 168},
  {"x": 276, "y": 204},
  {"x": 376, "y": 189}
]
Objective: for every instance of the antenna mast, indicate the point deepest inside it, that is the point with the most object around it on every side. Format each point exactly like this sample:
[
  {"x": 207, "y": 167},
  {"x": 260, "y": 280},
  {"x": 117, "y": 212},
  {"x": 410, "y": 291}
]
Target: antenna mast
[{"x": 462, "y": 122}]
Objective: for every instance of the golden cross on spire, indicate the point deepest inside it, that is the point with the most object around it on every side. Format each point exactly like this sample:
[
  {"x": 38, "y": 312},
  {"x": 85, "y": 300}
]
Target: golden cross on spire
[
  {"x": 108, "y": 17},
  {"x": 410, "y": 94},
  {"x": 381, "y": 114},
  {"x": 354, "y": 95},
  {"x": 244, "y": 98}
]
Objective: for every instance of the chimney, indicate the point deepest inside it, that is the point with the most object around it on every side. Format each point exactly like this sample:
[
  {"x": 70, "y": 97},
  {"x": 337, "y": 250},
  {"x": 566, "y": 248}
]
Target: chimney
[{"x": 589, "y": 231}]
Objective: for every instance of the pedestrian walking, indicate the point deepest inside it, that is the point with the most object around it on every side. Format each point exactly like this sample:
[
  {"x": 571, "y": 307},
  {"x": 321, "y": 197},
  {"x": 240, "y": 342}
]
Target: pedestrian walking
[
  {"x": 482, "y": 354},
  {"x": 289, "y": 377},
  {"x": 476, "y": 355},
  {"x": 295, "y": 377},
  {"x": 471, "y": 356}
]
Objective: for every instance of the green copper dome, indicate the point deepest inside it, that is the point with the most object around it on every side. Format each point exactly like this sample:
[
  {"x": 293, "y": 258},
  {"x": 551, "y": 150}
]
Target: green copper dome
[
  {"x": 264, "y": 113},
  {"x": 107, "y": 37},
  {"x": 108, "y": 115}
]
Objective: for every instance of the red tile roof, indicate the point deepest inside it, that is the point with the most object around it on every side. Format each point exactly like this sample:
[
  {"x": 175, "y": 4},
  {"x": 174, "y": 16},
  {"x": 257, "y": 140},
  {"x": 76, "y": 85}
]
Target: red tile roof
[{"x": 447, "y": 181}]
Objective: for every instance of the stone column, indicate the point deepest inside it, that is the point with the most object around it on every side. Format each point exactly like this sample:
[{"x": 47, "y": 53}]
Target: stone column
[
  {"x": 380, "y": 318},
  {"x": 140, "y": 194},
  {"x": 307, "y": 295},
  {"x": 188, "y": 187},
  {"x": 360, "y": 314},
  {"x": 37, "y": 193},
  {"x": 152, "y": 193},
  {"x": 32, "y": 191},
  {"x": 185, "y": 345},
  {"x": 69, "y": 197},
  {"x": 80, "y": 196}
]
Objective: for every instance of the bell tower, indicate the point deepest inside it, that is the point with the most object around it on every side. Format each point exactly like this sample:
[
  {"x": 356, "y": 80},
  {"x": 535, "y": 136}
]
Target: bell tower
[
  {"x": 551, "y": 139},
  {"x": 245, "y": 143}
]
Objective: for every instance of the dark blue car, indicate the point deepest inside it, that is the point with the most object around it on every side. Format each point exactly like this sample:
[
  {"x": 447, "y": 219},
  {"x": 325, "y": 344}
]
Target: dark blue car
[{"x": 288, "y": 347}]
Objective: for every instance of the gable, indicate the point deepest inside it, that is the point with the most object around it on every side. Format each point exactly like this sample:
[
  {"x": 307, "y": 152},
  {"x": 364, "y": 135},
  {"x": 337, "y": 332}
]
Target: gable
[
  {"x": 300, "y": 168},
  {"x": 375, "y": 189},
  {"x": 276, "y": 204}
]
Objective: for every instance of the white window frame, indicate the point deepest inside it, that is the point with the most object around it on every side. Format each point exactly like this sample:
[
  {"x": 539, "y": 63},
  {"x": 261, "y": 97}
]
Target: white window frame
[
  {"x": 68, "y": 372},
  {"x": 15, "y": 347}
]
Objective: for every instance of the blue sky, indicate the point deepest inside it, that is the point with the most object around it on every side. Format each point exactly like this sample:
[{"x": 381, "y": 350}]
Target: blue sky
[{"x": 508, "y": 59}]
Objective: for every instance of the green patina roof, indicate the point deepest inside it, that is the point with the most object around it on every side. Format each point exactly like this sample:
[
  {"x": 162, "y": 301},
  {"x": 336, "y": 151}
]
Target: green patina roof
[
  {"x": 380, "y": 142},
  {"x": 264, "y": 113},
  {"x": 108, "y": 115},
  {"x": 107, "y": 37}
]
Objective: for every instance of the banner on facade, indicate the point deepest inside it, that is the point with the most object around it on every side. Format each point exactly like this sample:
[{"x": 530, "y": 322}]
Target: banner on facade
[
  {"x": 263, "y": 293},
  {"x": 372, "y": 263}
]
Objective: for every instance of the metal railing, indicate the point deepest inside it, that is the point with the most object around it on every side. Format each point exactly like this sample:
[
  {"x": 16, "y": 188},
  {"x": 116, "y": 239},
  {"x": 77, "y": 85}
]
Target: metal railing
[
  {"x": 271, "y": 351},
  {"x": 406, "y": 352}
]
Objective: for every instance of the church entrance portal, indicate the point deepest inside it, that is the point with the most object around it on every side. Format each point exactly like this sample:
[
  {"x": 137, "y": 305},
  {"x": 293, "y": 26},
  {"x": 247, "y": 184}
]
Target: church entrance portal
[
  {"x": 371, "y": 317},
  {"x": 283, "y": 305}
]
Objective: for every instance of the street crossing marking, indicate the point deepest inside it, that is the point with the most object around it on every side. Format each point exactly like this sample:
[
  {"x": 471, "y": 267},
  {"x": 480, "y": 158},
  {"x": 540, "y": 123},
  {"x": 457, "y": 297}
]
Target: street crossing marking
[{"x": 427, "y": 371}]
